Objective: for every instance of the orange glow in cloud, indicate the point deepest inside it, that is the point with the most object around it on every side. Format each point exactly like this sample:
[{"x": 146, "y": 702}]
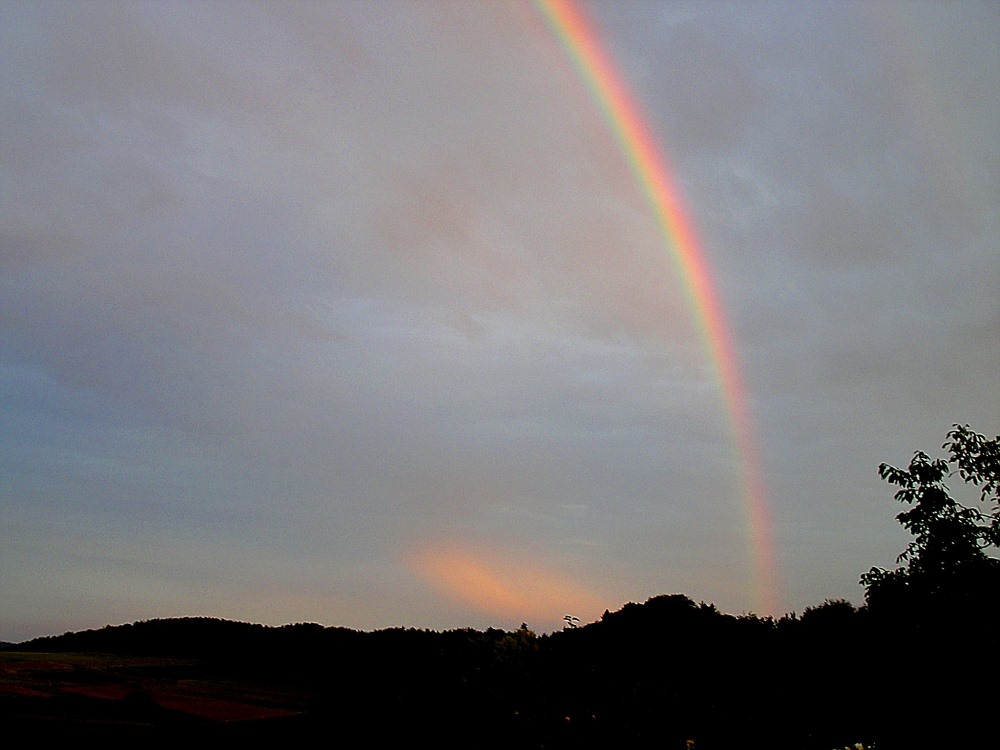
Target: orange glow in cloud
[{"x": 505, "y": 585}]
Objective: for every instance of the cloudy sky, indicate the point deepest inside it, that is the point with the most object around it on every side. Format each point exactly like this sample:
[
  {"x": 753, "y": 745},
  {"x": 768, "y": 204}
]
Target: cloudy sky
[{"x": 355, "y": 312}]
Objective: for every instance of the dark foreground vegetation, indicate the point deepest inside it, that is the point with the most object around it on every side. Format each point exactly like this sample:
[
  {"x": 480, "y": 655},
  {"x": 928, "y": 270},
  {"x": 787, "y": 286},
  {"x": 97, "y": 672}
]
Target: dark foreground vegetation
[{"x": 913, "y": 668}]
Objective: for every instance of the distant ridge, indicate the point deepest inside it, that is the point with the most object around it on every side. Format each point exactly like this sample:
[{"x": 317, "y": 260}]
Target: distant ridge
[
  {"x": 662, "y": 673},
  {"x": 183, "y": 636}
]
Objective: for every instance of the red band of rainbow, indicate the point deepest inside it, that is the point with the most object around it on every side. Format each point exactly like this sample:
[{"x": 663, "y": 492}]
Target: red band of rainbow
[{"x": 648, "y": 164}]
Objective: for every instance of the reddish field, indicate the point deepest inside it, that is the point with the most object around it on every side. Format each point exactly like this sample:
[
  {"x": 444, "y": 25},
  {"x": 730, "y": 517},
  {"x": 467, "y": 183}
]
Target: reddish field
[{"x": 171, "y": 684}]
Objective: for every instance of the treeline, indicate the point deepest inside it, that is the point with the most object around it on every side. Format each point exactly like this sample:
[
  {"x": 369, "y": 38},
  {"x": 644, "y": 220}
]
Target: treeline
[
  {"x": 668, "y": 673},
  {"x": 914, "y": 668}
]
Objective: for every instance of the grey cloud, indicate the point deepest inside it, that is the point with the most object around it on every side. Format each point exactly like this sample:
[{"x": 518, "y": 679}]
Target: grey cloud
[{"x": 288, "y": 288}]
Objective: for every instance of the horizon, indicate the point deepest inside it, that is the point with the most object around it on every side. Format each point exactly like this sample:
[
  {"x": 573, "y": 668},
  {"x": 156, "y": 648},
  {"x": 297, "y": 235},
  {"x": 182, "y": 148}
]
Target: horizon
[{"x": 458, "y": 628}]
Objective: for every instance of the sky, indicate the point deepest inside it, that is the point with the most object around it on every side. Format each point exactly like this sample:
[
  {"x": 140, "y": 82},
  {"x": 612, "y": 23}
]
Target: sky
[{"x": 357, "y": 313}]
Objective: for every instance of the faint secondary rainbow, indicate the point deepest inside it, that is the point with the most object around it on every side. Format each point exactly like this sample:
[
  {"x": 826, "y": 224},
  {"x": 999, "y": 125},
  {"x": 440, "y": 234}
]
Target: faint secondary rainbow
[{"x": 648, "y": 164}]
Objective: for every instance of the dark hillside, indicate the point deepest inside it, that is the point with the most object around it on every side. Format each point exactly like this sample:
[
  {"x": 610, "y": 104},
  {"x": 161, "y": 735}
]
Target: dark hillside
[
  {"x": 659, "y": 674},
  {"x": 668, "y": 673}
]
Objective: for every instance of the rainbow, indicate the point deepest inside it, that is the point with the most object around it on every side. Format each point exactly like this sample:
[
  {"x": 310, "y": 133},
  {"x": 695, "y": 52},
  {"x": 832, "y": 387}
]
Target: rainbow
[{"x": 650, "y": 167}]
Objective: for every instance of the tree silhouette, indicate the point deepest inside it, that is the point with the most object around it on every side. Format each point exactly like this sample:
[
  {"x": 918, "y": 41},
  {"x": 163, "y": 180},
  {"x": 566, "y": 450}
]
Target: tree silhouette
[
  {"x": 932, "y": 614},
  {"x": 948, "y": 555}
]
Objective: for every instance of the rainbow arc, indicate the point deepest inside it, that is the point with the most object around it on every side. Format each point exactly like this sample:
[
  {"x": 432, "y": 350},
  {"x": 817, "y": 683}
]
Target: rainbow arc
[{"x": 650, "y": 167}]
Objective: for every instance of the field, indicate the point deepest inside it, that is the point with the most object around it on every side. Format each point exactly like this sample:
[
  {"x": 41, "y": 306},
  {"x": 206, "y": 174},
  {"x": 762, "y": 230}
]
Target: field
[{"x": 86, "y": 693}]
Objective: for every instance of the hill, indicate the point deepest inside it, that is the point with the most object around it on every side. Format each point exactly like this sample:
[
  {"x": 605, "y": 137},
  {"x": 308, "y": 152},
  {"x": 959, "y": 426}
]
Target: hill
[{"x": 668, "y": 673}]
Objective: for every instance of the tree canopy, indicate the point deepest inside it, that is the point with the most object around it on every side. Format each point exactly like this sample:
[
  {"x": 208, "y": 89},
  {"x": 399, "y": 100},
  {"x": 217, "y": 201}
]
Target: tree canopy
[{"x": 948, "y": 557}]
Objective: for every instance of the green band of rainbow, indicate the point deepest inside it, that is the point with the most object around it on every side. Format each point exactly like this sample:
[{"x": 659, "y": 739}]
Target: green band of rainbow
[{"x": 647, "y": 162}]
